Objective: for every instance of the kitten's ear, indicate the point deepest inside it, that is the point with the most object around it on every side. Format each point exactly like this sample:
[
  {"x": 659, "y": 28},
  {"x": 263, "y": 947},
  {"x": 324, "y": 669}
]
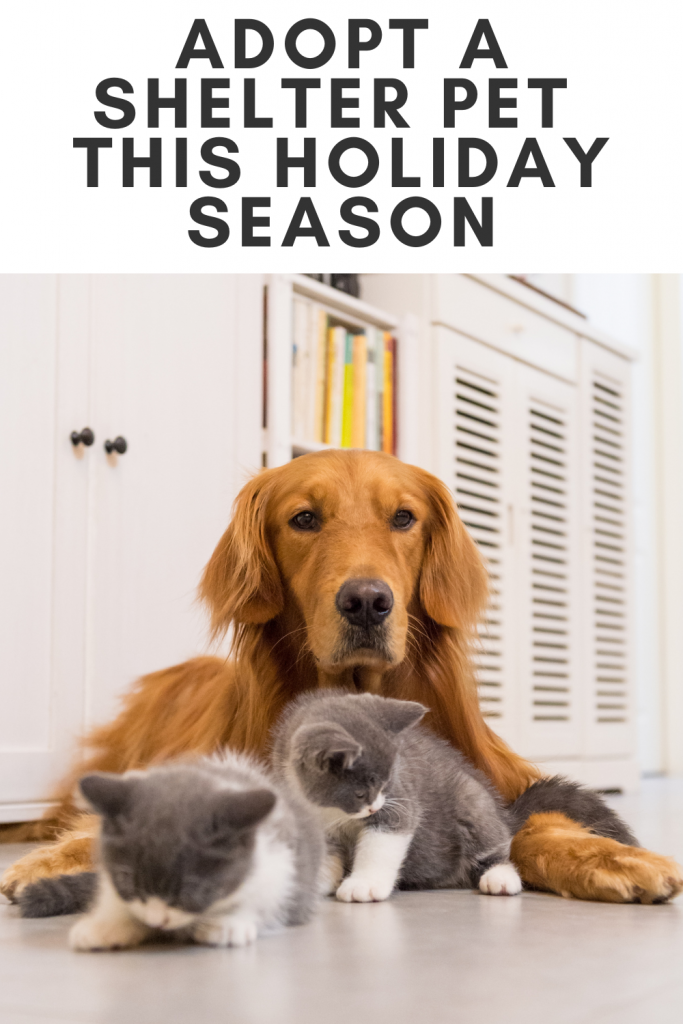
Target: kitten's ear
[
  {"x": 397, "y": 715},
  {"x": 234, "y": 811},
  {"x": 106, "y": 793},
  {"x": 326, "y": 746}
]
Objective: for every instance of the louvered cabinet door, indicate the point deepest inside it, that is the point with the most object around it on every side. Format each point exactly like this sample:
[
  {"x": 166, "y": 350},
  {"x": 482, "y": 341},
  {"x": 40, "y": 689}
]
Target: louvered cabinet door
[
  {"x": 547, "y": 551},
  {"x": 607, "y": 554},
  {"x": 475, "y": 415}
]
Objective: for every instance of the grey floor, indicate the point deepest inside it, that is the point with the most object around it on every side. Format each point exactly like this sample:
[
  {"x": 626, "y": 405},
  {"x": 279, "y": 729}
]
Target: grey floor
[{"x": 423, "y": 958}]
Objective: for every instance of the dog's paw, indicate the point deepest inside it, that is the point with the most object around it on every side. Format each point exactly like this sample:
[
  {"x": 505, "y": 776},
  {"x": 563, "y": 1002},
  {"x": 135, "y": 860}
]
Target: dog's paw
[
  {"x": 225, "y": 931},
  {"x": 363, "y": 889},
  {"x": 92, "y": 932},
  {"x": 26, "y": 871},
  {"x": 69, "y": 855},
  {"x": 501, "y": 880},
  {"x": 628, "y": 874}
]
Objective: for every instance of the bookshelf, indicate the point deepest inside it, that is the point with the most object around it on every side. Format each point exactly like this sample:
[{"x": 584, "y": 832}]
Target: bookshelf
[{"x": 290, "y": 429}]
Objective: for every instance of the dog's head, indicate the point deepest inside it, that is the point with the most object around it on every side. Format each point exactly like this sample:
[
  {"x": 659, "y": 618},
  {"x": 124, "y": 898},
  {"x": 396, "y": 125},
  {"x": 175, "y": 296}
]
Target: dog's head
[{"x": 351, "y": 540}]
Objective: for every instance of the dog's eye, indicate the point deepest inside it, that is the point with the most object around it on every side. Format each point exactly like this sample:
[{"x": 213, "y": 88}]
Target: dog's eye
[
  {"x": 304, "y": 521},
  {"x": 403, "y": 519}
]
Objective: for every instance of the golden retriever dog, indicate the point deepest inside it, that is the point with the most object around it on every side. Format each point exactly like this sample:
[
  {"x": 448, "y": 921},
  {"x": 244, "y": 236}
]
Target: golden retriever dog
[{"x": 352, "y": 569}]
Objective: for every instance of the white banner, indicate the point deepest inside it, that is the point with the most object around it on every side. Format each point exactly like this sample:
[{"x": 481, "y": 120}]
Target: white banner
[{"x": 183, "y": 137}]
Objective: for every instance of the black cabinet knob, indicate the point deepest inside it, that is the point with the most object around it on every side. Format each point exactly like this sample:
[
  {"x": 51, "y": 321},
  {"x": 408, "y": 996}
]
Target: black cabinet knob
[
  {"x": 85, "y": 437},
  {"x": 119, "y": 444}
]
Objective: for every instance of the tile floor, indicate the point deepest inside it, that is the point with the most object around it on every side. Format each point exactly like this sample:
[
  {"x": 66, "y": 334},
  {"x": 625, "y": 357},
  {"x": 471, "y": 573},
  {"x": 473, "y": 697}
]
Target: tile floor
[{"x": 423, "y": 958}]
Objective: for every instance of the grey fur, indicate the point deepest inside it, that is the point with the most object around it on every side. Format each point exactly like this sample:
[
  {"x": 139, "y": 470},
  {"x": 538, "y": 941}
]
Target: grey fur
[
  {"x": 187, "y": 834},
  {"x": 340, "y": 750},
  {"x": 63, "y": 894},
  {"x": 578, "y": 803}
]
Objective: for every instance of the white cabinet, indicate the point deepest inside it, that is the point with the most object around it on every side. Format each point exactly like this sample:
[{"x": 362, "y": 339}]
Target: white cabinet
[
  {"x": 606, "y": 521},
  {"x": 101, "y": 553},
  {"x": 530, "y": 430}
]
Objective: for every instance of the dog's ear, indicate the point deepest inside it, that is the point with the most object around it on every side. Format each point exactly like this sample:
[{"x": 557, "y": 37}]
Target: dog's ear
[
  {"x": 241, "y": 582},
  {"x": 453, "y": 585}
]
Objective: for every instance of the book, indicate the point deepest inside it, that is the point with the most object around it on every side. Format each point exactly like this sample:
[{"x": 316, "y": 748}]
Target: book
[
  {"x": 300, "y": 366},
  {"x": 336, "y": 353},
  {"x": 394, "y": 396},
  {"x": 379, "y": 388},
  {"x": 371, "y": 419},
  {"x": 347, "y": 393},
  {"x": 318, "y": 324},
  {"x": 358, "y": 402},
  {"x": 388, "y": 397}
]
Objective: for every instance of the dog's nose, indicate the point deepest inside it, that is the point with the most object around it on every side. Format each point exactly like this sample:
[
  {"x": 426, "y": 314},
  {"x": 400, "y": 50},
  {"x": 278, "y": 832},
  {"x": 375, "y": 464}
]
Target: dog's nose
[{"x": 364, "y": 602}]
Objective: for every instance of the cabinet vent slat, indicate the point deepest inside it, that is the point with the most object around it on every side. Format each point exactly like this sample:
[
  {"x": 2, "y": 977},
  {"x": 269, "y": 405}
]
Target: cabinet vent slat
[
  {"x": 551, "y": 691},
  {"x": 477, "y": 477},
  {"x": 610, "y": 638}
]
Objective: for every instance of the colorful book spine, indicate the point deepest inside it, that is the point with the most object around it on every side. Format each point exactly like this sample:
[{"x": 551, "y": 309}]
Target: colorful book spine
[
  {"x": 388, "y": 398},
  {"x": 371, "y": 423},
  {"x": 320, "y": 325},
  {"x": 300, "y": 310},
  {"x": 358, "y": 408},
  {"x": 329, "y": 377},
  {"x": 335, "y": 385},
  {"x": 394, "y": 397},
  {"x": 347, "y": 393},
  {"x": 379, "y": 375}
]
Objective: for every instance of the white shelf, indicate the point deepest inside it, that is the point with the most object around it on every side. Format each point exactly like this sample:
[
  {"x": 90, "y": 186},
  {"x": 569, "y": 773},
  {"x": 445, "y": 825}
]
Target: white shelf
[
  {"x": 341, "y": 303},
  {"x": 279, "y": 445}
]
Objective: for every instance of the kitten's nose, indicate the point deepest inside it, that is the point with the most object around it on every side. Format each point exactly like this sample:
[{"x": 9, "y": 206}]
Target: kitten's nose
[{"x": 364, "y": 602}]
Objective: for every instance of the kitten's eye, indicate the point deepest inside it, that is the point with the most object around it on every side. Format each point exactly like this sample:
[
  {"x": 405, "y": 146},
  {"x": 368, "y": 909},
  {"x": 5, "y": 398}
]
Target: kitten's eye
[
  {"x": 361, "y": 794},
  {"x": 304, "y": 521},
  {"x": 403, "y": 519}
]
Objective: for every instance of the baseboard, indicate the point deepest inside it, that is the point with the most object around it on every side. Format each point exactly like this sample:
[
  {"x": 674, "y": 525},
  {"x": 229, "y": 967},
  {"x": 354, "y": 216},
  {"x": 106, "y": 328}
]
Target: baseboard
[
  {"x": 618, "y": 773},
  {"x": 30, "y": 811}
]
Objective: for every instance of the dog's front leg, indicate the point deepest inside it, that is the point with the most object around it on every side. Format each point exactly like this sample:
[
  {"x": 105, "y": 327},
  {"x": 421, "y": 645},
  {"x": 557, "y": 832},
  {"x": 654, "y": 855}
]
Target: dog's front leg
[{"x": 554, "y": 853}]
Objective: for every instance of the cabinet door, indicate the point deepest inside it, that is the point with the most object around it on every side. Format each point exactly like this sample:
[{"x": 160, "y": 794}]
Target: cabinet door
[
  {"x": 547, "y": 553},
  {"x": 43, "y": 377},
  {"x": 101, "y": 553},
  {"x": 176, "y": 371},
  {"x": 475, "y": 426},
  {"x": 605, "y": 468}
]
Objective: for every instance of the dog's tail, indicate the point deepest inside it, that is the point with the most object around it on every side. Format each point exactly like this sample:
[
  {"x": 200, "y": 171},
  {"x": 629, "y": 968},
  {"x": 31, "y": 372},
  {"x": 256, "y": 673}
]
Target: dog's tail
[
  {"x": 62, "y": 894},
  {"x": 579, "y": 803}
]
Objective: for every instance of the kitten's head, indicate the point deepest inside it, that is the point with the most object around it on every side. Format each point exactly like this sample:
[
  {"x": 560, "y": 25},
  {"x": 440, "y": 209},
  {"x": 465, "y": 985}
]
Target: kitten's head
[
  {"x": 343, "y": 753},
  {"x": 172, "y": 844}
]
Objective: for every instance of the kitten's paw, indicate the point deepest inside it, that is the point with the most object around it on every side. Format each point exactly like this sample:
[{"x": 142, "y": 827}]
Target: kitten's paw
[
  {"x": 95, "y": 933},
  {"x": 225, "y": 931},
  {"x": 501, "y": 880},
  {"x": 361, "y": 889}
]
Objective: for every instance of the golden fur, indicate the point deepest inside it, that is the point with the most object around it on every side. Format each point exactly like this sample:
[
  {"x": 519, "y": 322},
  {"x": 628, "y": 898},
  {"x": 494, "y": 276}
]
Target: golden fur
[
  {"x": 275, "y": 587},
  {"x": 556, "y": 854}
]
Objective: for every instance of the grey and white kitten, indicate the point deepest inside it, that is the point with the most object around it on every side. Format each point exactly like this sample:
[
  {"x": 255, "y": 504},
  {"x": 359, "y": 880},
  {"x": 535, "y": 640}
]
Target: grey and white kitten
[
  {"x": 400, "y": 806},
  {"x": 213, "y": 851}
]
